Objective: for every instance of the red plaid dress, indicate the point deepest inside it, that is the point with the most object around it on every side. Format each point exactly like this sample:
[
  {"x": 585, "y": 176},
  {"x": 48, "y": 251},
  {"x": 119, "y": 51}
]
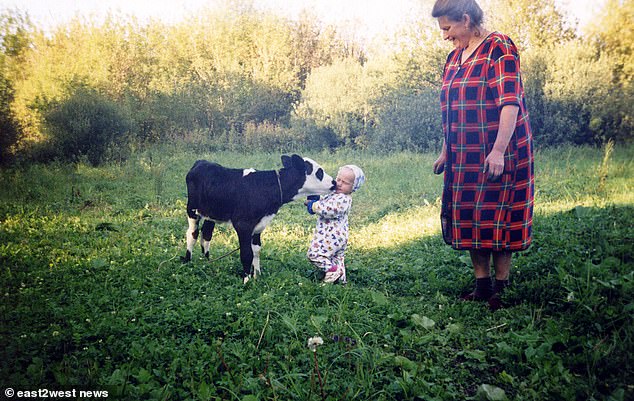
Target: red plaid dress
[{"x": 477, "y": 213}]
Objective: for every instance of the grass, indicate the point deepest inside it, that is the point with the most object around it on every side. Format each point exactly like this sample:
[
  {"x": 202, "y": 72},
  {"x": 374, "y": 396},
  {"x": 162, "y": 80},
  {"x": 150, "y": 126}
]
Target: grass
[{"x": 94, "y": 296}]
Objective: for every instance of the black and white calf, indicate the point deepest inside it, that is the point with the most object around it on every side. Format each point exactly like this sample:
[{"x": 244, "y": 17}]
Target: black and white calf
[{"x": 248, "y": 199}]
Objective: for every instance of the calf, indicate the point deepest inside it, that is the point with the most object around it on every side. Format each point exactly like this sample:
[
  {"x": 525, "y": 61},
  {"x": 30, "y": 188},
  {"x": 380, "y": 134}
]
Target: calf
[{"x": 249, "y": 199}]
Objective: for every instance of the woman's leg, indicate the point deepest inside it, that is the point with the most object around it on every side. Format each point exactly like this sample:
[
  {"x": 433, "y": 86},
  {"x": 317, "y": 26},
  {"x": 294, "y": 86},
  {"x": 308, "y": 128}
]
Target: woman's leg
[
  {"x": 481, "y": 260},
  {"x": 502, "y": 264}
]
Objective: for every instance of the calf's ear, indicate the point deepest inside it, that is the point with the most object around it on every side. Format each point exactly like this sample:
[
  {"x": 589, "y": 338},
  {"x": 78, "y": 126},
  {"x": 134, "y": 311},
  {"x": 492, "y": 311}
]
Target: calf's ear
[
  {"x": 286, "y": 161},
  {"x": 309, "y": 168},
  {"x": 298, "y": 162}
]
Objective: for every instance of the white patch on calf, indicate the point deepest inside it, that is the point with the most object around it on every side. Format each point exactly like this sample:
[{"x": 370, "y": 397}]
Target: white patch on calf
[
  {"x": 256, "y": 260},
  {"x": 314, "y": 185},
  {"x": 263, "y": 223},
  {"x": 247, "y": 171},
  {"x": 256, "y": 248},
  {"x": 191, "y": 240}
]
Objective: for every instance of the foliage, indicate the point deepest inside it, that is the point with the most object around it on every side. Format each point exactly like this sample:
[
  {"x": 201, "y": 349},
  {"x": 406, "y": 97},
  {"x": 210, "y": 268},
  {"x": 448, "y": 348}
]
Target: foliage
[
  {"x": 613, "y": 34},
  {"x": 336, "y": 97},
  {"x": 94, "y": 295},
  {"x": 408, "y": 121},
  {"x": 233, "y": 72},
  {"x": 86, "y": 124},
  {"x": 14, "y": 40},
  {"x": 541, "y": 24}
]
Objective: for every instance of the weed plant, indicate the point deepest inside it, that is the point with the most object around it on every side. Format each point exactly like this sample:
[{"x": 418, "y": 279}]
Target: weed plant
[{"x": 94, "y": 295}]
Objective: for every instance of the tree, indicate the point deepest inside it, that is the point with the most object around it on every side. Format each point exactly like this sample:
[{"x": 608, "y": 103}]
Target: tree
[
  {"x": 530, "y": 23},
  {"x": 337, "y": 97},
  {"x": 613, "y": 35},
  {"x": 85, "y": 124},
  {"x": 15, "y": 42}
]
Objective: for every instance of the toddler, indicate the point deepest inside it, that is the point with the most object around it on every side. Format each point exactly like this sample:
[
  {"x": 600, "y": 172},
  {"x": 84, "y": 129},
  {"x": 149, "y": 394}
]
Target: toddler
[{"x": 330, "y": 239}]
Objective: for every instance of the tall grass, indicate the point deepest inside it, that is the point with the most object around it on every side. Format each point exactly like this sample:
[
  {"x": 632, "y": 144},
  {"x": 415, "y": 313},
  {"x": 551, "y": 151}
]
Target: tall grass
[{"x": 93, "y": 294}]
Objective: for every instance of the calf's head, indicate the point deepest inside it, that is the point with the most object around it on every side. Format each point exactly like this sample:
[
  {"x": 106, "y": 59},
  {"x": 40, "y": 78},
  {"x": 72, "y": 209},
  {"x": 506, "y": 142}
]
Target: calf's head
[{"x": 307, "y": 176}]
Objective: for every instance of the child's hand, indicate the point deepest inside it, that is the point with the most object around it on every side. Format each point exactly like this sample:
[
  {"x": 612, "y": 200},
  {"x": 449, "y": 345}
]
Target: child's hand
[{"x": 309, "y": 206}]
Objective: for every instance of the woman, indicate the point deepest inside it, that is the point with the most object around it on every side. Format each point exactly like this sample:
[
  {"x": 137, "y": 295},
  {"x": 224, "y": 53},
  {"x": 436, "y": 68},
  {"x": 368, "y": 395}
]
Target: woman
[{"x": 487, "y": 153}]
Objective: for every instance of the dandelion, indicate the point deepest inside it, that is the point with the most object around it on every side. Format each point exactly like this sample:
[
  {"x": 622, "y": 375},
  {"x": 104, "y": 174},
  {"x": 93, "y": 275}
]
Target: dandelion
[{"x": 315, "y": 342}]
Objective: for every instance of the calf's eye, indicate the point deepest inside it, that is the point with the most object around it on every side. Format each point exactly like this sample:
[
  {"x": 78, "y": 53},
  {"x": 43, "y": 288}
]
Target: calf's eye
[{"x": 320, "y": 174}]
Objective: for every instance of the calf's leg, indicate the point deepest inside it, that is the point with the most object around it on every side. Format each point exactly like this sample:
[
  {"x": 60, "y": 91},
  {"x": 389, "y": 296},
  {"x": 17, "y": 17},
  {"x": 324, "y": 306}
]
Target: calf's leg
[
  {"x": 256, "y": 245},
  {"x": 191, "y": 236},
  {"x": 207, "y": 231},
  {"x": 246, "y": 251}
]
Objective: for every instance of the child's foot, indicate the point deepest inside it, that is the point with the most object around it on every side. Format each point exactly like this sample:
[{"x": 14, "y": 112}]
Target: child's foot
[{"x": 333, "y": 274}]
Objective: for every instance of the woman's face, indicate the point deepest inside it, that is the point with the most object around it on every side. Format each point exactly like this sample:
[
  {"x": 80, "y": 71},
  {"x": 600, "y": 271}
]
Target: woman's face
[{"x": 454, "y": 31}]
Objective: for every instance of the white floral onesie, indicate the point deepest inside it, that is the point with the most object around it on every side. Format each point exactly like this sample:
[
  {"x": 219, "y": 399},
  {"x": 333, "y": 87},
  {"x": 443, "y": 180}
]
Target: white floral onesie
[{"x": 330, "y": 239}]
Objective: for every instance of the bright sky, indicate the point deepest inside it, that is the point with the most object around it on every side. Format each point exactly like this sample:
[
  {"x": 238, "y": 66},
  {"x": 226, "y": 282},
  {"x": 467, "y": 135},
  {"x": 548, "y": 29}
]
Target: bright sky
[{"x": 368, "y": 17}]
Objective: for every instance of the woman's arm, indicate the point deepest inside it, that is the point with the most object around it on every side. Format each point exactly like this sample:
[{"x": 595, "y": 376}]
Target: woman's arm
[
  {"x": 439, "y": 164},
  {"x": 494, "y": 162}
]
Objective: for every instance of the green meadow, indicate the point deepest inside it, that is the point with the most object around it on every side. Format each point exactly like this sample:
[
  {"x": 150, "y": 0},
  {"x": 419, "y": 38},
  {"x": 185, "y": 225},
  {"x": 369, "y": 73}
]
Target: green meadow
[{"x": 94, "y": 296}]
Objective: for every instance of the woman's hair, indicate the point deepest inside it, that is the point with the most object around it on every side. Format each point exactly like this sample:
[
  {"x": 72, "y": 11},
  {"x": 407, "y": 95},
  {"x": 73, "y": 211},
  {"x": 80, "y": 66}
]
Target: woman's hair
[{"x": 456, "y": 9}]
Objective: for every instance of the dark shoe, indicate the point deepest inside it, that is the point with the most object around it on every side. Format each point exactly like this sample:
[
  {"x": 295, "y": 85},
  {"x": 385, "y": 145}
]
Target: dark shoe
[
  {"x": 483, "y": 290},
  {"x": 319, "y": 274},
  {"x": 473, "y": 296},
  {"x": 499, "y": 286},
  {"x": 495, "y": 303}
]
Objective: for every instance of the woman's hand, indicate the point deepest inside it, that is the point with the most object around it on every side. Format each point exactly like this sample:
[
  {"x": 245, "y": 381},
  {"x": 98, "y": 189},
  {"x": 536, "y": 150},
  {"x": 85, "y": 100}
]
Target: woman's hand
[
  {"x": 439, "y": 164},
  {"x": 494, "y": 165},
  {"x": 494, "y": 162}
]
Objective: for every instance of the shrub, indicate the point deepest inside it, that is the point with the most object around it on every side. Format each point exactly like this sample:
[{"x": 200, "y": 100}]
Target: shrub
[
  {"x": 316, "y": 137},
  {"x": 85, "y": 125},
  {"x": 270, "y": 137},
  {"x": 8, "y": 130},
  {"x": 408, "y": 121}
]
